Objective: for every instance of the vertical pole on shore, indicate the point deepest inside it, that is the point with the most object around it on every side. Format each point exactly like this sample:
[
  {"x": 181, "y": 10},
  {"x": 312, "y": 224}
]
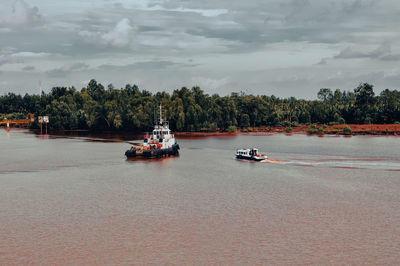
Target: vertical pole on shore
[
  {"x": 41, "y": 132},
  {"x": 46, "y": 128}
]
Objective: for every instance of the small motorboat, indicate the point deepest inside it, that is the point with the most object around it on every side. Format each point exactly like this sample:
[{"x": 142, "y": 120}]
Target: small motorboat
[{"x": 251, "y": 154}]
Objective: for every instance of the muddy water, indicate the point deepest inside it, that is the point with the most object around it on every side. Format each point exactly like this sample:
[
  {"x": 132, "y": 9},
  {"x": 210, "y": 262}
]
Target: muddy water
[{"x": 78, "y": 201}]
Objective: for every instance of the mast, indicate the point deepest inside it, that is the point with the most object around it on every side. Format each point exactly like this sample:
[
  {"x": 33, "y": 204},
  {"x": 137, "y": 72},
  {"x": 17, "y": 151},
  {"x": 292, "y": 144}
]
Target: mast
[{"x": 161, "y": 120}]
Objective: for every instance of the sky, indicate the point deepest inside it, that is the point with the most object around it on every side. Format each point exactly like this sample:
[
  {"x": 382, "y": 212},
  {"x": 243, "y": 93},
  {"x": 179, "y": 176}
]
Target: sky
[{"x": 270, "y": 47}]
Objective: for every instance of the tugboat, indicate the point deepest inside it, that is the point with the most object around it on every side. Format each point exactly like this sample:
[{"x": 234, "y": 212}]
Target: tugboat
[
  {"x": 160, "y": 143},
  {"x": 250, "y": 154}
]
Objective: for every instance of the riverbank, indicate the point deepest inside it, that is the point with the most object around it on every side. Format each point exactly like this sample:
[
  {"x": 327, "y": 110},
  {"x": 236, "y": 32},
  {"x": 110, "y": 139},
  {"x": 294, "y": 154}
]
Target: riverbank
[
  {"x": 344, "y": 129},
  {"x": 352, "y": 129}
]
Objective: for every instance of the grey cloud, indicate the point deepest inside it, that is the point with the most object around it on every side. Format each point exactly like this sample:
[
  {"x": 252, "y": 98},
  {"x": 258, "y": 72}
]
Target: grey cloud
[
  {"x": 314, "y": 12},
  {"x": 57, "y": 73},
  {"x": 311, "y": 21},
  {"x": 152, "y": 40},
  {"x": 144, "y": 28},
  {"x": 381, "y": 77},
  {"x": 7, "y": 50},
  {"x": 78, "y": 66},
  {"x": 140, "y": 66},
  {"x": 28, "y": 68},
  {"x": 324, "y": 61},
  {"x": 242, "y": 35},
  {"x": 348, "y": 53},
  {"x": 357, "y": 5},
  {"x": 5, "y": 55},
  {"x": 19, "y": 57},
  {"x": 383, "y": 52},
  {"x": 66, "y": 70},
  {"x": 391, "y": 57}
]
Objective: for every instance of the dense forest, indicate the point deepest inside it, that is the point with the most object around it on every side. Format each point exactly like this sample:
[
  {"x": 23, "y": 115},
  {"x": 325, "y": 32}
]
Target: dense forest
[{"x": 98, "y": 108}]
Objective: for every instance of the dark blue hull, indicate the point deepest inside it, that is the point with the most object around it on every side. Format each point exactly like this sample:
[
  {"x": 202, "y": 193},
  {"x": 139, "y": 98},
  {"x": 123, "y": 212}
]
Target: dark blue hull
[
  {"x": 156, "y": 153},
  {"x": 249, "y": 158}
]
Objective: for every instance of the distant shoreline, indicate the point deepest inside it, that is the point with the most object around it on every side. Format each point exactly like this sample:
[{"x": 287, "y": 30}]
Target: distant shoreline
[
  {"x": 370, "y": 129},
  {"x": 355, "y": 129},
  {"x": 317, "y": 129}
]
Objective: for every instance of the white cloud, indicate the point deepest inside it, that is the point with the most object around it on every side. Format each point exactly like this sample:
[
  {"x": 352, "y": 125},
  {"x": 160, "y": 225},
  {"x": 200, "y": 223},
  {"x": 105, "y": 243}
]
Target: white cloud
[
  {"x": 120, "y": 36},
  {"x": 20, "y": 14},
  {"x": 203, "y": 12},
  {"x": 209, "y": 83},
  {"x": 29, "y": 54}
]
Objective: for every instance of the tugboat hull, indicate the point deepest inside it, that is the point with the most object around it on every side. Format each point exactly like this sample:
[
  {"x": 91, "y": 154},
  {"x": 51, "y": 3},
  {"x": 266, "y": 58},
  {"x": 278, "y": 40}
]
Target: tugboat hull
[{"x": 156, "y": 153}]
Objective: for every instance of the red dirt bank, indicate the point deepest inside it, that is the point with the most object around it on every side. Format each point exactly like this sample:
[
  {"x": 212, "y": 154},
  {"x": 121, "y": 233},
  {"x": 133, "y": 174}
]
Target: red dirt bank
[{"x": 373, "y": 129}]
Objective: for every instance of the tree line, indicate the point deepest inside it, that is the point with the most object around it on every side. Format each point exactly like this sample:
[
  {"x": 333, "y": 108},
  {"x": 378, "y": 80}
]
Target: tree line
[{"x": 95, "y": 107}]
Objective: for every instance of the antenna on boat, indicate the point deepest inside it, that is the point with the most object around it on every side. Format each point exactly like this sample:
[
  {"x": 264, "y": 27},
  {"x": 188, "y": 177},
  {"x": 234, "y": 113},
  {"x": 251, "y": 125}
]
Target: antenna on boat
[{"x": 161, "y": 119}]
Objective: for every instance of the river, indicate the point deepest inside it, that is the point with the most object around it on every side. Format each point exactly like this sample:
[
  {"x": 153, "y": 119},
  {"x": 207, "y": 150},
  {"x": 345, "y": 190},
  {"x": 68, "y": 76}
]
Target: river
[{"x": 318, "y": 200}]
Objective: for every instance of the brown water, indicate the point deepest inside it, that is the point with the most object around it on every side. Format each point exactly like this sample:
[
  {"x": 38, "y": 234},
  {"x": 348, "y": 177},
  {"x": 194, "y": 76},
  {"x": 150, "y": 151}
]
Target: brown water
[{"x": 72, "y": 201}]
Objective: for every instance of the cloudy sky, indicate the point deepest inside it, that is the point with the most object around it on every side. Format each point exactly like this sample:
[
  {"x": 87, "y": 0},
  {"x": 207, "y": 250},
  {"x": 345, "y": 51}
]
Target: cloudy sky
[{"x": 281, "y": 47}]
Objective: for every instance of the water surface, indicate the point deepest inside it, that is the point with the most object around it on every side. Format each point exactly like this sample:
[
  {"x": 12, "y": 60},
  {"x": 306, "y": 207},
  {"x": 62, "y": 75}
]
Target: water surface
[{"x": 72, "y": 201}]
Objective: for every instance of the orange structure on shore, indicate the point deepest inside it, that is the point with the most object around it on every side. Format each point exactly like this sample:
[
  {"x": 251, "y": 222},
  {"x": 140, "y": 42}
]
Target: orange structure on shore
[{"x": 19, "y": 121}]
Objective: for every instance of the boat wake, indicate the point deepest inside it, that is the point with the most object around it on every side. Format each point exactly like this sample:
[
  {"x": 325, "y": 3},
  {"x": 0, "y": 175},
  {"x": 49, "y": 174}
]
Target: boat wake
[
  {"x": 270, "y": 160},
  {"x": 343, "y": 163}
]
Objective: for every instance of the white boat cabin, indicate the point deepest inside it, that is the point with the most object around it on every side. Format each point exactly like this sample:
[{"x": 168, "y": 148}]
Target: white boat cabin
[
  {"x": 161, "y": 135},
  {"x": 250, "y": 154}
]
